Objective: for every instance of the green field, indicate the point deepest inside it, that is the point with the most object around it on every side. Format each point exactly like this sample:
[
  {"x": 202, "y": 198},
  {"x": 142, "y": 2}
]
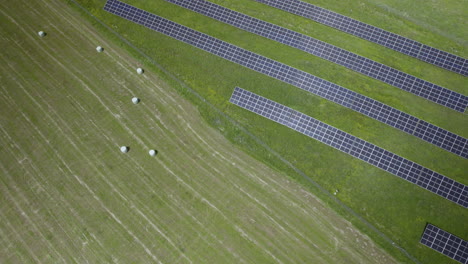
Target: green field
[{"x": 221, "y": 189}]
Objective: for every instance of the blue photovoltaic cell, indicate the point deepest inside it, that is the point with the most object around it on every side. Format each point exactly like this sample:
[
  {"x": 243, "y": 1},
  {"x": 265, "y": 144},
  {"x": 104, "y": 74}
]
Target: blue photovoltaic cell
[
  {"x": 356, "y": 147},
  {"x": 359, "y": 29},
  {"x": 445, "y": 243},
  {"x": 308, "y": 82},
  {"x": 399, "y": 79}
]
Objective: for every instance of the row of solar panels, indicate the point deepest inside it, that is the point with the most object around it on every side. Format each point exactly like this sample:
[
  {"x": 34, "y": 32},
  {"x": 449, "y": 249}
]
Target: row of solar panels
[
  {"x": 387, "y": 39},
  {"x": 445, "y": 243}
]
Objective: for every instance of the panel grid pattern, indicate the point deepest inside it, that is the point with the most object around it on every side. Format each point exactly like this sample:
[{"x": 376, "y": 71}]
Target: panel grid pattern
[
  {"x": 308, "y": 82},
  {"x": 356, "y": 147},
  {"x": 377, "y": 35},
  {"x": 399, "y": 79},
  {"x": 445, "y": 243}
]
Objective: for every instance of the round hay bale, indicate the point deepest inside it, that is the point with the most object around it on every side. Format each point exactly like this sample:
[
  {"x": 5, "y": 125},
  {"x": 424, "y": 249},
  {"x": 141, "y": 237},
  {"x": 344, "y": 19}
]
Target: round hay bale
[
  {"x": 135, "y": 100},
  {"x": 99, "y": 49},
  {"x": 124, "y": 149},
  {"x": 41, "y": 34},
  {"x": 140, "y": 71},
  {"x": 152, "y": 153}
]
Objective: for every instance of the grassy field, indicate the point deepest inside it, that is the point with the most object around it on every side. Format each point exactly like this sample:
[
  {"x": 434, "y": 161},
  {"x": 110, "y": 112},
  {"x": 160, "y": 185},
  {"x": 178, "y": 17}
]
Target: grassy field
[
  {"x": 397, "y": 208},
  {"x": 67, "y": 194}
]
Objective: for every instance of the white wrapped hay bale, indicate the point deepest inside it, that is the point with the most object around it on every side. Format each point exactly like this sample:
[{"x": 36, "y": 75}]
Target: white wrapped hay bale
[
  {"x": 135, "y": 100},
  {"x": 140, "y": 71},
  {"x": 41, "y": 34},
  {"x": 152, "y": 153},
  {"x": 124, "y": 149},
  {"x": 99, "y": 49}
]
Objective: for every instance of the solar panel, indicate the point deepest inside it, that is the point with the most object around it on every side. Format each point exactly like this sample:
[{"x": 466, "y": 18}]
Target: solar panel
[
  {"x": 387, "y": 39},
  {"x": 399, "y": 79},
  {"x": 356, "y": 147},
  {"x": 445, "y": 243},
  {"x": 308, "y": 82}
]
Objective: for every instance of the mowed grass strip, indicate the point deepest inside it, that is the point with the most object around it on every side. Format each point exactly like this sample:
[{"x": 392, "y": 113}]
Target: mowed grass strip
[
  {"x": 397, "y": 208},
  {"x": 67, "y": 193}
]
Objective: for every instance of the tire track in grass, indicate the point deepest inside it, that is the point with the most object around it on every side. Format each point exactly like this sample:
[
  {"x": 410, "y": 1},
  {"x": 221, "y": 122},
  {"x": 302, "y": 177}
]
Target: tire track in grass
[
  {"x": 11, "y": 198},
  {"x": 98, "y": 40},
  {"x": 239, "y": 229},
  {"x": 116, "y": 219},
  {"x": 37, "y": 172},
  {"x": 105, "y": 180},
  {"x": 260, "y": 204},
  {"x": 63, "y": 162},
  {"x": 30, "y": 222},
  {"x": 175, "y": 210},
  {"x": 51, "y": 212},
  {"x": 263, "y": 205},
  {"x": 6, "y": 254},
  {"x": 176, "y": 176},
  {"x": 243, "y": 233},
  {"x": 189, "y": 187},
  {"x": 114, "y": 216},
  {"x": 127, "y": 69},
  {"x": 262, "y": 181},
  {"x": 64, "y": 201},
  {"x": 110, "y": 52},
  {"x": 19, "y": 238},
  {"x": 90, "y": 162},
  {"x": 224, "y": 159},
  {"x": 5, "y": 245},
  {"x": 50, "y": 107},
  {"x": 22, "y": 214},
  {"x": 5, "y": 224},
  {"x": 137, "y": 138},
  {"x": 267, "y": 209},
  {"x": 98, "y": 254},
  {"x": 109, "y": 110}
]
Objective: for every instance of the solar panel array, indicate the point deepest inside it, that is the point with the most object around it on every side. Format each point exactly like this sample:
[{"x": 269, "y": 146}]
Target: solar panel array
[
  {"x": 356, "y": 147},
  {"x": 335, "y": 93},
  {"x": 399, "y": 79},
  {"x": 445, "y": 243},
  {"x": 387, "y": 39}
]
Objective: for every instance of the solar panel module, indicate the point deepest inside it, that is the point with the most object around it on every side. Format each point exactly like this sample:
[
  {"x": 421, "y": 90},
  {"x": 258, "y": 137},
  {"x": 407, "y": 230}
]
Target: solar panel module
[
  {"x": 394, "y": 77},
  {"x": 445, "y": 243},
  {"x": 356, "y": 147},
  {"x": 303, "y": 80},
  {"x": 377, "y": 35}
]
